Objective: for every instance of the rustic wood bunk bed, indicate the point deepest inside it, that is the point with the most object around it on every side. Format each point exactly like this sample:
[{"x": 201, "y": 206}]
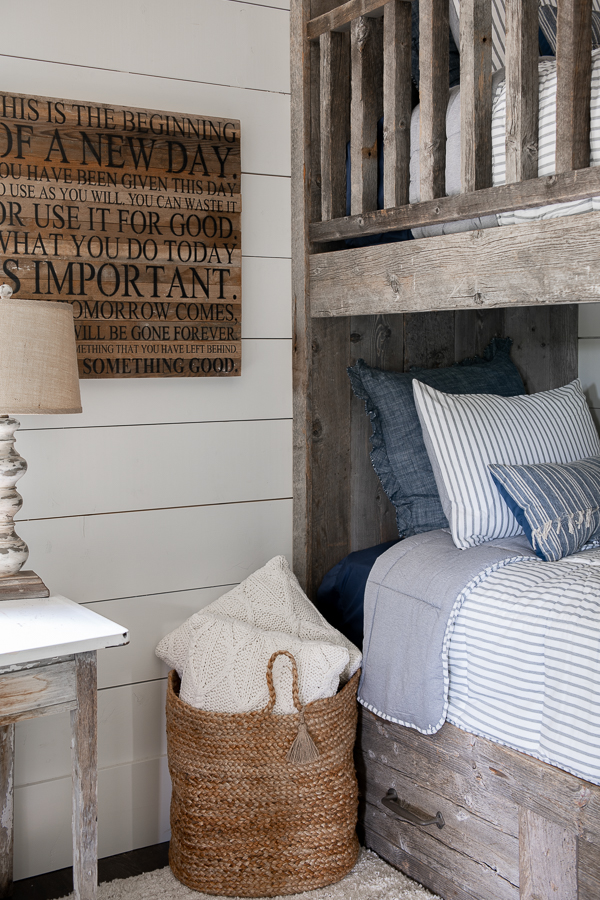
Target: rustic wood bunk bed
[{"x": 514, "y": 826}]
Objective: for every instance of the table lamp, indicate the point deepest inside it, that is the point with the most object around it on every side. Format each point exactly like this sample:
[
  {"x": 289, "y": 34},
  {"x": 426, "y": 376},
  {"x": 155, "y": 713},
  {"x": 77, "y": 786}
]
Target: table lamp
[{"x": 38, "y": 374}]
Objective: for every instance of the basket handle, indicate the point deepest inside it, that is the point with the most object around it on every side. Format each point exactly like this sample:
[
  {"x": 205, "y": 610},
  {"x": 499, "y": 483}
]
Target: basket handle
[
  {"x": 271, "y": 686},
  {"x": 303, "y": 749}
]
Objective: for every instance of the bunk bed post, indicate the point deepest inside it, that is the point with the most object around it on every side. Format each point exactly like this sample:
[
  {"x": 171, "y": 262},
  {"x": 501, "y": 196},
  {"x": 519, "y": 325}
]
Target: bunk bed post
[
  {"x": 301, "y": 205},
  {"x": 433, "y": 90},
  {"x": 522, "y": 104},
  {"x": 476, "y": 94},
  {"x": 573, "y": 84},
  {"x": 397, "y": 106}
]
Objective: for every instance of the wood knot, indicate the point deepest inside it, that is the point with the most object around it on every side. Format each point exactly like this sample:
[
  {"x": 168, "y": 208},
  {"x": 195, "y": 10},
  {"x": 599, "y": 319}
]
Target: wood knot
[
  {"x": 395, "y": 285},
  {"x": 317, "y": 430},
  {"x": 355, "y": 337},
  {"x": 478, "y": 299}
]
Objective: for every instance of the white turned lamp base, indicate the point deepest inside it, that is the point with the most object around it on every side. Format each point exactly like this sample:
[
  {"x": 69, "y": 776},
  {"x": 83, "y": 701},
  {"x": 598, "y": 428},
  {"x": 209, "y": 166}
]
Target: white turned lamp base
[{"x": 13, "y": 550}]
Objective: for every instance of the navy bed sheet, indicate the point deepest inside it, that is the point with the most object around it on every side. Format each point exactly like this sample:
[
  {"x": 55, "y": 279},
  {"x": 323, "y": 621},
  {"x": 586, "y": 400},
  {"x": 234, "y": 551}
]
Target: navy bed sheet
[{"x": 340, "y": 597}]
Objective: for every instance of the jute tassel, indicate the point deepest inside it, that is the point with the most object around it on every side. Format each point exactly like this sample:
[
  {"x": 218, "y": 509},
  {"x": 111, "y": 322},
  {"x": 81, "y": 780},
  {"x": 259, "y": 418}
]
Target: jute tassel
[{"x": 303, "y": 750}]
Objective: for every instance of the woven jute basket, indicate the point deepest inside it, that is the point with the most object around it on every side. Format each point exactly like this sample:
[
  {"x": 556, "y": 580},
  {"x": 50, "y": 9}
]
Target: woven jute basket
[{"x": 246, "y": 819}]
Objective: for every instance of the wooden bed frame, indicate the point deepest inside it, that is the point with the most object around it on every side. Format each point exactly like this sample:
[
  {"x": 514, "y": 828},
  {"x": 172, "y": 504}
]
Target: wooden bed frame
[{"x": 514, "y": 827}]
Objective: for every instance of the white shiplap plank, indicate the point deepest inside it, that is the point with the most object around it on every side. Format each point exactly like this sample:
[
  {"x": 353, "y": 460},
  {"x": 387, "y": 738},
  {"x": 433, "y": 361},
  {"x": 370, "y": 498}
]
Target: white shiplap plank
[
  {"x": 263, "y": 391},
  {"x": 266, "y": 216},
  {"x": 589, "y": 320},
  {"x": 279, "y": 4},
  {"x": 83, "y": 471},
  {"x": 89, "y": 558},
  {"x": 131, "y": 725},
  {"x": 589, "y": 369},
  {"x": 267, "y": 297},
  {"x": 264, "y": 115},
  {"x": 133, "y": 811},
  {"x": 148, "y": 619},
  {"x": 204, "y": 40}
]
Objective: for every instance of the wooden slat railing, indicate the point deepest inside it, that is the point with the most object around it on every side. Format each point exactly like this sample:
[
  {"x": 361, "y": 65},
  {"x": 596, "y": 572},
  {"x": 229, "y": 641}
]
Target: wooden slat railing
[
  {"x": 397, "y": 107},
  {"x": 573, "y": 73},
  {"x": 366, "y": 43},
  {"x": 334, "y": 102},
  {"x": 522, "y": 103},
  {"x": 476, "y": 94},
  {"x": 433, "y": 91},
  {"x": 379, "y": 83}
]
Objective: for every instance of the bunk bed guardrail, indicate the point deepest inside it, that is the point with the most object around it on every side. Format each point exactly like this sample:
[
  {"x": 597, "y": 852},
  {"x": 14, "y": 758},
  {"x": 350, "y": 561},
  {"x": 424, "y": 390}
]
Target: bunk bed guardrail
[{"x": 365, "y": 73}]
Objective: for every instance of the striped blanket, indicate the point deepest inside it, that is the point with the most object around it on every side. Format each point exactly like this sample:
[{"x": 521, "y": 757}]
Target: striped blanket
[
  {"x": 524, "y": 661},
  {"x": 492, "y": 639}
]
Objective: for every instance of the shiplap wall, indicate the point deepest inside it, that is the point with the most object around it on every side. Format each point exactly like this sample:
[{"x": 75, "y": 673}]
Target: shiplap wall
[{"x": 164, "y": 492}]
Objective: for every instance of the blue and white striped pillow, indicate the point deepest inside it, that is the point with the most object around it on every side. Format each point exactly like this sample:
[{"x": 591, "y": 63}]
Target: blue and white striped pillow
[
  {"x": 557, "y": 505},
  {"x": 463, "y": 434}
]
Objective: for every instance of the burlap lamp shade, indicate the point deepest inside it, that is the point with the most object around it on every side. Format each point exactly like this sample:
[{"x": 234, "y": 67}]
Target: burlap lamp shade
[
  {"x": 38, "y": 374},
  {"x": 38, "y": 360}
]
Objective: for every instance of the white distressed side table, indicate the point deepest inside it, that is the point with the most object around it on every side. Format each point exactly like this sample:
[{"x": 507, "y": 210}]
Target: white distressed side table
[{"x": 48, "y": 665}]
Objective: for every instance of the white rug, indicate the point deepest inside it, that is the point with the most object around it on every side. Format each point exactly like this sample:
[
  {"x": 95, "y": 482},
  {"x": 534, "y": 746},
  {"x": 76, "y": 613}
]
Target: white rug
[{"x": 370, "y": 879}]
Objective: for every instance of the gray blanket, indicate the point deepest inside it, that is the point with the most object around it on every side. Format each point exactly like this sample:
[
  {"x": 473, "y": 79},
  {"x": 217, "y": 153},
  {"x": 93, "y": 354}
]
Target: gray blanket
[{"x": 412, "y": 597}]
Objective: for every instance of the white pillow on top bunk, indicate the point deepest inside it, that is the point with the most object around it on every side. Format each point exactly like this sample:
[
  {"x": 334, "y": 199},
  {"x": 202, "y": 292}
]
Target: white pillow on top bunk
[{"x": 465, "y": 433}]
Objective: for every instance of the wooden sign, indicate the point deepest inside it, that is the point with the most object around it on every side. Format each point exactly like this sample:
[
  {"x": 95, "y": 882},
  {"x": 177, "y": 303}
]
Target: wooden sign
[{"x": 132, "y": 216}]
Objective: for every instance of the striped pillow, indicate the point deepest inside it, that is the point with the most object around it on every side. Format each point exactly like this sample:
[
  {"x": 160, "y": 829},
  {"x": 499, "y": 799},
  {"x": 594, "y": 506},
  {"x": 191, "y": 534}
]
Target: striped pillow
[
  {"x": 464, "y": 434},
  {"x": 558, "y": 506}
]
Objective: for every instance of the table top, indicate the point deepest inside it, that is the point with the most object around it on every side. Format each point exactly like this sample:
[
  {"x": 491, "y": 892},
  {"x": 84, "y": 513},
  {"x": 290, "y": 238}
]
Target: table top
[{"x": 32, "y": 630}]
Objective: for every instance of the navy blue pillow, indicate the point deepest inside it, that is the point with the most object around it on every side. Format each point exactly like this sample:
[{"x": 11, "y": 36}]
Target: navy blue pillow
[
  {"x": 341, "y": 595},
  {"x": 398, "y": 452},
  {"x": 556, "y": 504}
]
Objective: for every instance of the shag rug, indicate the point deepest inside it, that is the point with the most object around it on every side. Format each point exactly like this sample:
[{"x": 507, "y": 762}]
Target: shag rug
[{"x": 370, "y": 879}]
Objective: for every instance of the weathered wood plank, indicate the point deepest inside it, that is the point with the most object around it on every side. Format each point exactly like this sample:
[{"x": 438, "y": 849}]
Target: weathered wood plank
[
  {"x": 524, "y": 195},
  {"x": 588, "y": 866},
  {"x": 475, "y": 328},
  {"x": 366, "y": 109},
  {"x": 330, "y": 448},
  {"x": 462, "y": 784},
  {"x": 379, "y": 341},
  {"x": 397, "y": 106},
  {"x": 340, "y": 16},
  {"x": 429, "y": 873},
  {"x": 29, "y": 690},
  {"x": 335, "y": 110},
  {"x": 465, "y": 830},
  {"x": 573, "y": 84},
  {"x": 544, "y": 262},
  {"x": 504, "y": 775},
  {"x": 306, "y": 195},
  {"x": 7, "y": 783},
  {"x": 476, "y": 94},
  {"x": 84, "y": 754},
  {"x": 547, "y": 859},
  {"x": 433, "y": 92},
  {"x": 522, "y": 105},
  {"x": 453, "y": 873},
  {"x": 545, "y": 344},
  {"x": 429, "y": 340},
  {"x": 53, "y": 710}
]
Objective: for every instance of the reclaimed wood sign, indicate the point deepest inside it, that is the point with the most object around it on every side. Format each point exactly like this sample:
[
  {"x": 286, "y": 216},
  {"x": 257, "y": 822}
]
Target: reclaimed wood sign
[{"x": 132, "y": 216}]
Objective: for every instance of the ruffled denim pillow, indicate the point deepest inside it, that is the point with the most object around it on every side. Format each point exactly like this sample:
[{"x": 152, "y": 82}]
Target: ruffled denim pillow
[{"x": 398, "y": 453}]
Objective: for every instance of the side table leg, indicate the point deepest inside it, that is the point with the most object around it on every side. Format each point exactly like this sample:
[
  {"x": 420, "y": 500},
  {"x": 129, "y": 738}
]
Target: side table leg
[
  {"x": 7, "y": 768},
  {"x": 84, "y": 755}
]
